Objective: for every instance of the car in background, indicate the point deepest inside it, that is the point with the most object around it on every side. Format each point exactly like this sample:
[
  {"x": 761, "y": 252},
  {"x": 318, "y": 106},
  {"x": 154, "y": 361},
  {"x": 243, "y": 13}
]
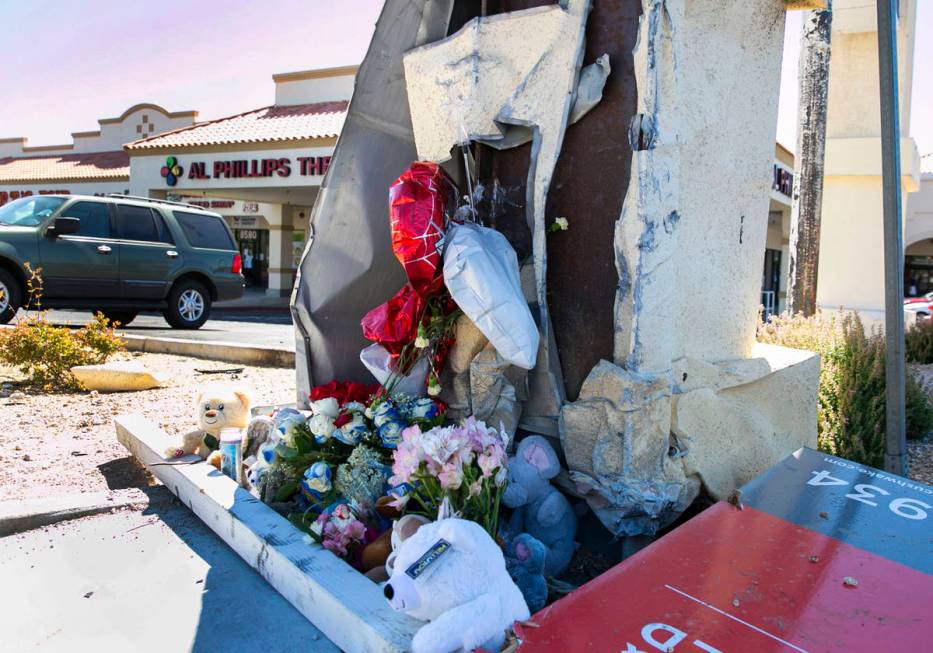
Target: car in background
[
  {"x": 118, "y": 255},
  {"x": 921, "y": 310},
  {"x": 922, "y": 299}
]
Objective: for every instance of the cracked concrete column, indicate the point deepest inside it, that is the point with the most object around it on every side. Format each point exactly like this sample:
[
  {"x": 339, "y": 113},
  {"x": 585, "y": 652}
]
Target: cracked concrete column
[{"x": 689, "y": 247}]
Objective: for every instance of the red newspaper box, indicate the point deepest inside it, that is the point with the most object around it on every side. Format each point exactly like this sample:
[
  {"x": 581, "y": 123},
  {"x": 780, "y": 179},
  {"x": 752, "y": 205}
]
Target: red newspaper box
[{"x": 821, "y": 555}]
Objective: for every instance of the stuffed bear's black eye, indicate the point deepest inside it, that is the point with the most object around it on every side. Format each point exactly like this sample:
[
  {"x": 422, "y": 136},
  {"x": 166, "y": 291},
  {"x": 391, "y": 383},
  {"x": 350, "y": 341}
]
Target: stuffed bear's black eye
[
  {"x": 207, "y": 406},
  {"x": 220, "y": 406}
]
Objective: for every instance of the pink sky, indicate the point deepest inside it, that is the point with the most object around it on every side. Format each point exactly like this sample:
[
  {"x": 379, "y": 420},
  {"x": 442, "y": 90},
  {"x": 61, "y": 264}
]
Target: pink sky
[{"x": 89, "y": 59}]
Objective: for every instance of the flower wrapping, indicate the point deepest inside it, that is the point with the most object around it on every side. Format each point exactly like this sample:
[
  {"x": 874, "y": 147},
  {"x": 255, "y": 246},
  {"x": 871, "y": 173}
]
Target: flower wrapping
[{"x": 419, "y": 203}]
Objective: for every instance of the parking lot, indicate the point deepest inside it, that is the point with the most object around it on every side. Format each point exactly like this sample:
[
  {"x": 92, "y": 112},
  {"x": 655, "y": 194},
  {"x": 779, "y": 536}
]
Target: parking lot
[{"x": 270, "y": 328}]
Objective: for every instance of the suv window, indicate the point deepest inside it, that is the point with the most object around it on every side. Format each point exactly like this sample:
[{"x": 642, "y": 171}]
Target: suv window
[
  {"x": 29, "y": 211},
  {"x": 141, "y": 223},
  {"x": 94, "y": 216},
  {"x": 204, "y": 230}
]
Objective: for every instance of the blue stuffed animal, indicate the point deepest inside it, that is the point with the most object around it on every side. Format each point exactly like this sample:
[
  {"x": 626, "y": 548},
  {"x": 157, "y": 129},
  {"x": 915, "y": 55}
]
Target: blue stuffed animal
[
  {"x": 524, "y": 558},
  {"x": 539, "y": 509}
]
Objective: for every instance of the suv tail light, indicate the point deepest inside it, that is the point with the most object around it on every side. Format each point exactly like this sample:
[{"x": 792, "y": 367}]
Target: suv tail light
[{"x": 237, "y": 264}]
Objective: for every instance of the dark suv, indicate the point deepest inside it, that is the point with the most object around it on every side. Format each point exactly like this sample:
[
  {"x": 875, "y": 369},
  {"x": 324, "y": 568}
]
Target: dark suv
[{"x": 118, "y": 255}]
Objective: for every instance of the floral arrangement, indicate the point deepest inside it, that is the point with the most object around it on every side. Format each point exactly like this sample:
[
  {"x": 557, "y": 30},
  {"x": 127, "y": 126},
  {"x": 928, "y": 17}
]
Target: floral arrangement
[
  {"x": 465, "y": 464},
  {"x": 339, "y": 529}
]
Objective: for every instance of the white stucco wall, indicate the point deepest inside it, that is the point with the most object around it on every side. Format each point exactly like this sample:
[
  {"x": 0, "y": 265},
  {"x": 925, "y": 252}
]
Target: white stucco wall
[
  {"x": 920, "y": 213},
  {"x": 851, "y": 266},
  {"x": 314, "y": 86},
  {"x": 730, "y": 65},
  {"x": 111, "y": 135}
]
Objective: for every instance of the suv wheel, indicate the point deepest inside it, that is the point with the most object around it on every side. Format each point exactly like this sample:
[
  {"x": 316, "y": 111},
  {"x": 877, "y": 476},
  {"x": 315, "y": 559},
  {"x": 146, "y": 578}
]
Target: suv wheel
[
  {"x": 123, "y": 317},
  {"x": 189, "y": 305},
  {"x": 10, "y": 296}
]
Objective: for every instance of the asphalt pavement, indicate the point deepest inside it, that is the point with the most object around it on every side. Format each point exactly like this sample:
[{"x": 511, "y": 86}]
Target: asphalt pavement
[
  {"x": 267, "y": 328},
  {"x": 155, "y": 580}
]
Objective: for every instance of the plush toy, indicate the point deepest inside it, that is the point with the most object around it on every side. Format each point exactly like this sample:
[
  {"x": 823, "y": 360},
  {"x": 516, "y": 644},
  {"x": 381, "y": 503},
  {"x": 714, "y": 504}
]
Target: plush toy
[
  {"x": 217, "y": 408},
  {"x": 539, "y": 508},
  {"x": 262, "y": 437},
  {"x": 524, "y": 558},
  {"x": 379, "y": 555},
  {"x": 452, "y": 574}
]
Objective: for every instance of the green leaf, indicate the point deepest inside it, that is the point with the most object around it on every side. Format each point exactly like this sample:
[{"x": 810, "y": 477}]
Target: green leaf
[
  {"x": 286, "y": 452},
  {"x": 286, "y": 491}
]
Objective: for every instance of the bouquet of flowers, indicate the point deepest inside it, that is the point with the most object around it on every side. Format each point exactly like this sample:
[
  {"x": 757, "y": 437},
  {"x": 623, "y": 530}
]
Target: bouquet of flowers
[
  {"x": 340, "y": 529},
  {"x": 465, "y": 464}
]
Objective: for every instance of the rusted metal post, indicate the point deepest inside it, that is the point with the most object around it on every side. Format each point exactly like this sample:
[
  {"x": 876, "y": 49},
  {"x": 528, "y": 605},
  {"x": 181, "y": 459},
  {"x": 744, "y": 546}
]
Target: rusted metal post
[
  {"x": 811, "y": 147},
  {"x": 895, "y": 459}
]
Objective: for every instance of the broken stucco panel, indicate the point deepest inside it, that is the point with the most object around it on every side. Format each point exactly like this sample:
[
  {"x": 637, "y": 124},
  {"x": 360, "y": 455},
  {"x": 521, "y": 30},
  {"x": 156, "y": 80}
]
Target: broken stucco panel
[
  {"x": 733, "y": 434},
  {"x": 616, "y": 440}
]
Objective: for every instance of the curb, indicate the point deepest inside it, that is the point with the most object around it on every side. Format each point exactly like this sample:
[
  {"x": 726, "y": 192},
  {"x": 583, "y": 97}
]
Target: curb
[
  {"x": 19, "y": 516},
  {"x": 229, "y": 352}
]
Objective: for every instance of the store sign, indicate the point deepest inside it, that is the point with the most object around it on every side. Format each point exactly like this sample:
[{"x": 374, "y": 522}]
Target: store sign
[
  {"x": 303, "y": 166},
  {"x": 782, "y": 180},
  {"x": 10, "y": 195},
  {"x": 247, "y": 234},
  {"x": 245, "y": 221},
  {"x": 250, "y": 207},
  {"x": 819, "y": 554},
  {"x": 212, "y": 204}
]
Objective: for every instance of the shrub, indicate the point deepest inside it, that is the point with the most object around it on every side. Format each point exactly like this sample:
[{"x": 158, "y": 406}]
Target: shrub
[
  {"x": 919, "y": 342},
  {"x": 46, "y": 353},
  {"x": 851, "y": 401}
]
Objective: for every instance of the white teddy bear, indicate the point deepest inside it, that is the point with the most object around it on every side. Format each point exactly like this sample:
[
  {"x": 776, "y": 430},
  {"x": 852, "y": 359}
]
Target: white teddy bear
[{"x": 452, "y": 574}]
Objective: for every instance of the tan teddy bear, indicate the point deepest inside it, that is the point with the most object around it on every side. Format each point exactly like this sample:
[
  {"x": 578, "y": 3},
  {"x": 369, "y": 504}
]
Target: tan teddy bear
[{"x": 217, "y": 407}]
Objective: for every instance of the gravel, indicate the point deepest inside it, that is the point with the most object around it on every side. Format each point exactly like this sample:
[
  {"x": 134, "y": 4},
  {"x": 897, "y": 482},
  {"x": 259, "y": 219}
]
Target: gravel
[
  {"x": 55, "y": 444},
  {"x": 920, "y": 452}
]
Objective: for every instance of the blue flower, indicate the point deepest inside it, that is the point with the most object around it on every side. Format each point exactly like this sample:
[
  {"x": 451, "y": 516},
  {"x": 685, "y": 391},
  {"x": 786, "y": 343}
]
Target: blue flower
[
  {"x": 390, "y": 434},
  {"x": 352, "y": 432},
  {"x": 267, "y": 452},
  {"x": 385, "y": 413},
  {"x": 316, "y": 483},
  {"x": 423, "y": 408}
]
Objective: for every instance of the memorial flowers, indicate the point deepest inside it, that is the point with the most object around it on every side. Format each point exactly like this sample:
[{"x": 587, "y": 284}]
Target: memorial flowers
[{"x": 465, "y": 464}]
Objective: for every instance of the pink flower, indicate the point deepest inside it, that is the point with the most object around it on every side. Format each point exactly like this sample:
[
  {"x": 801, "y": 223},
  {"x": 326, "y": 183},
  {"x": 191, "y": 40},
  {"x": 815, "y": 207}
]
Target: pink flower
[
  {"x": 335, "y": 546},
  {"x": 399, "y": 502},
  {"x": 406, "y": 459},
  {"x": 488, "y": 462},
  {"x": 451, "y": 476},
  {"x": 476, "y": 487},
  {"x": 355, "y": 530}
]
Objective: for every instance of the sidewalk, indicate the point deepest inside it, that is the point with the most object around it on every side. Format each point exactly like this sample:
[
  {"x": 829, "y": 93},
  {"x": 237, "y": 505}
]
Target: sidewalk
[
  {"x": 254, "y": 299},
  {"x": 157, "y": 580}
]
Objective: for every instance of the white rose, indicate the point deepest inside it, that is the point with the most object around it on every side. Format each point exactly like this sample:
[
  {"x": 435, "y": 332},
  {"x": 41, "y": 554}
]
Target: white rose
[
  {"x": 562, "y": 223},
  {"x": 328, "y": 407},
  {"x": 321, "y": 426}
]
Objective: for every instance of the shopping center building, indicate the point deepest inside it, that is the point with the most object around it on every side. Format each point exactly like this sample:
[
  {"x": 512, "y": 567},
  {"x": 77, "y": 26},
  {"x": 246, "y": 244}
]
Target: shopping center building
[
  {"x": 94, "y": 163},
  {"x": 260, "y": 169}
]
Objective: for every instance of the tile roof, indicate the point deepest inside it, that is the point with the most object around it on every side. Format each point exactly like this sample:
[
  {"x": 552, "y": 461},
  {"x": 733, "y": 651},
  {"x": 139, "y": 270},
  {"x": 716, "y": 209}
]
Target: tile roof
[
  {"x": 65, "y": 167},
  {"x": 269, "y": 124}
]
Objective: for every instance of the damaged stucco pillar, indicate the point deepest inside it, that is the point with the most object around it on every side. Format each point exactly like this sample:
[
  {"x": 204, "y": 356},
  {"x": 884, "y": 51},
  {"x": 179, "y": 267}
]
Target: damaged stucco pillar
[{"x": 688, "y": 399}]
